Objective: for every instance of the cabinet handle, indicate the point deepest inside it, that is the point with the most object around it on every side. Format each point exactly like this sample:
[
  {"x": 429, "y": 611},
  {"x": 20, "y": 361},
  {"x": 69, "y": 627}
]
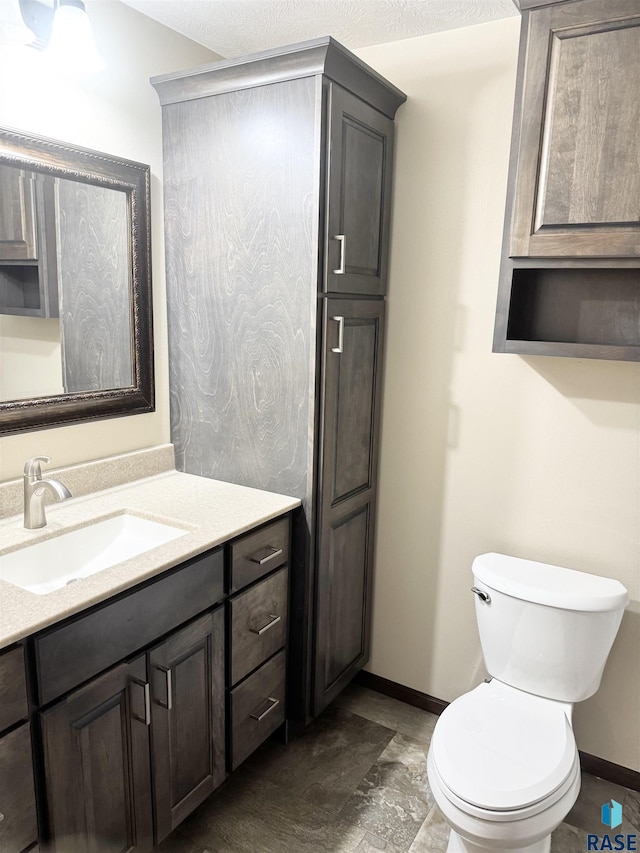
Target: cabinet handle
[
  {"x": 260, "y": 557},
  {"x": 169, "y": 685},
  {"x": 340, "y": 322},
  {"x": 147, "y": 701},
  {"x": 273, "y": 620},
  {"x": 260, "y": 717},
  {"x": 342, "y": 239}
]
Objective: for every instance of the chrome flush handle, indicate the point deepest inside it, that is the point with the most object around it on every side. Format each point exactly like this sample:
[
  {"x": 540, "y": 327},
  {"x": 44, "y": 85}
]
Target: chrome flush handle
[{"x": 482, "y": 595}]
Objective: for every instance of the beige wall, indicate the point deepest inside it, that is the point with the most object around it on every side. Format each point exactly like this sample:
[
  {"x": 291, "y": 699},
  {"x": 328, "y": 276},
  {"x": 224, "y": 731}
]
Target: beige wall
[
  {"x": 537, "y": 457},
  {"x": 116, "y": 111}
]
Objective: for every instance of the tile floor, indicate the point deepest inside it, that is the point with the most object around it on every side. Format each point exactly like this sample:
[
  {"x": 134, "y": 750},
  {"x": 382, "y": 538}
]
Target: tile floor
[{"x": 355, "y": 782}]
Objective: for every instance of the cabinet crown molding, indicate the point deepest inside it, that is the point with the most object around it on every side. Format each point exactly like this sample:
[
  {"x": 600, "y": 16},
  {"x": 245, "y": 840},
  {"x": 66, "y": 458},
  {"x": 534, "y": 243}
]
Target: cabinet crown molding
[{"x": 323, "y": 56}]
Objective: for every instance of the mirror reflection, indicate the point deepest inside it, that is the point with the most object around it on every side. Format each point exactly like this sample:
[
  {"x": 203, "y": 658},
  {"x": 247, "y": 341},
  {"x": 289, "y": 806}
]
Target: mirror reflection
[{"x": 66, "y": 323}]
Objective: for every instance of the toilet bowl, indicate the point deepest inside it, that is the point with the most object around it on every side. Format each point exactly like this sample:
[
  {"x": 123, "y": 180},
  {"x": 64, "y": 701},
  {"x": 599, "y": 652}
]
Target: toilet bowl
[{"x": 503, "y": 763}]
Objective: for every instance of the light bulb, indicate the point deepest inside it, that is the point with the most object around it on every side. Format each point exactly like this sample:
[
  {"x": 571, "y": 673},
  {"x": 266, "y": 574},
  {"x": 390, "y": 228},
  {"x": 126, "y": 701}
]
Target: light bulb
[{"x": 71, "y": 45}]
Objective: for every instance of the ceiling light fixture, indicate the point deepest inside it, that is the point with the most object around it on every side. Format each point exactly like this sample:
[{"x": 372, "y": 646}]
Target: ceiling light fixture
[{"x": 71, "y": 44}]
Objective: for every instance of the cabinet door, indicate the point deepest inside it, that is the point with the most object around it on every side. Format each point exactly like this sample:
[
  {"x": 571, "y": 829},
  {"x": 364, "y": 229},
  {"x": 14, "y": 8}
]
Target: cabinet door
[
  {"x": 18, "y": 240},
  {"x": 187, "y": 713},
  {"x": 360, "y": 159},
  {"x": 352, "y": 365},
  {"x": 18, "y": 823},
  {"x": 97, "y": 772},
  {"x": 578, "y": 120}
]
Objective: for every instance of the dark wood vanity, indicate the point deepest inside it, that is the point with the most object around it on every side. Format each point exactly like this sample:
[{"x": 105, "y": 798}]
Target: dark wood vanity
[{"x": 136, "y": 709}]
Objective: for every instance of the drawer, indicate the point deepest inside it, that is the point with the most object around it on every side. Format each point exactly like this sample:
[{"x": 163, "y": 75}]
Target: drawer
[
  {"x": 13, "y": 688},
  {"x": 257, "y": 709},
  {"x": 258, "y": 553},
  {"x": 19, "y": 827},
  {"x": 68, "y": 655},
  {"x": 258, "y": 624}
]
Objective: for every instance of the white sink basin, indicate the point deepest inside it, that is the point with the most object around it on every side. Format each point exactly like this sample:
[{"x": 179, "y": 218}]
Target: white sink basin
[{"x": 61, "y": 560}]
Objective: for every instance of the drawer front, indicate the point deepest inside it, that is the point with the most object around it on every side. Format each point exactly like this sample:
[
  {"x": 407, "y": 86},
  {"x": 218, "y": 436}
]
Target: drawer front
[
  {"x": 13, "y": 688},
  {"x": 19, "y": 826},
  {"x": 259, "y": 553},
  {"x": 257, "y": 709},
  {"x": 71, "y": 654},
  {"x": 258, "y": 624}
]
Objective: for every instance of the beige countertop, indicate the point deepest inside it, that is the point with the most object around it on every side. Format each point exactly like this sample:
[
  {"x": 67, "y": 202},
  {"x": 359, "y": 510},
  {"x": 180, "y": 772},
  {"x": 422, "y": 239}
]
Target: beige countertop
[{"x": 210, "y": 511}]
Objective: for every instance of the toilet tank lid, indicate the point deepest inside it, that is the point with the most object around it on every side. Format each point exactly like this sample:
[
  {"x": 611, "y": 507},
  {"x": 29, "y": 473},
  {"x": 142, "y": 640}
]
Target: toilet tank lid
[{"x": 553, "y": 586}]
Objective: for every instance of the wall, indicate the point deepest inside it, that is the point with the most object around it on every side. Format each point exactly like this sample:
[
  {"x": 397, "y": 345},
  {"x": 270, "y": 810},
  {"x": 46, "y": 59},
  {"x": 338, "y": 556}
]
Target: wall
[
  {"x": 536, "y": 457},
  {"x": 117, "y": 111}
]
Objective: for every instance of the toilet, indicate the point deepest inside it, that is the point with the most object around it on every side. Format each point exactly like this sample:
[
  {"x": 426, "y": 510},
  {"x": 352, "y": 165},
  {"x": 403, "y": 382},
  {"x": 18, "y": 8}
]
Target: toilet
[{"x": 503, "y": 764}]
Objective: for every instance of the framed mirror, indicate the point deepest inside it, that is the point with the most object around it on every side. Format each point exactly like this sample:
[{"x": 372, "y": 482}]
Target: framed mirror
[{"x": 76, "y": 335}]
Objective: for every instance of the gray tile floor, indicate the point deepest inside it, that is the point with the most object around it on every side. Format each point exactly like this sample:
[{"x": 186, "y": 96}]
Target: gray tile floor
[{"x": 355, "y": 782}]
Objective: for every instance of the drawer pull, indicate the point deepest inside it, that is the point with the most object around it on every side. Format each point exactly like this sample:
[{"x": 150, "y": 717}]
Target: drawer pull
[
  {"x": 260, "y": 717},
  {"x": 265, "y": 554},
  {"x": 273, "y": 620},
  {"x": 147, "y": 701},
  {"x": 169, "y": 703},
  {"x": 342, "y": 239}
]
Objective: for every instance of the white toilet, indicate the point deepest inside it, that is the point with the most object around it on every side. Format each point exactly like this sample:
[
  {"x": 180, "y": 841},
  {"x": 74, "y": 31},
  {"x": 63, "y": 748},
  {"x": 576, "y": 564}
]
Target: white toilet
[{"x": 503, "y": 763}]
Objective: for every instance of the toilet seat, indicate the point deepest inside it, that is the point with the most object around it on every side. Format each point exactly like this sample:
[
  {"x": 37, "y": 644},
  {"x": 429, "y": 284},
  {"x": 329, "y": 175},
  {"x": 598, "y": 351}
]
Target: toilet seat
[{"x": 498, "y": 749}]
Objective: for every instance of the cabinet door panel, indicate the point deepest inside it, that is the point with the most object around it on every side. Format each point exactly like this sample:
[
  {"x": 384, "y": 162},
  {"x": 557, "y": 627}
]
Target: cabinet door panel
[
  {"x": 97, "y": 769},
  {"x": 187, "y": 714},
  {"x": 349, "y": 436},
  {"x": 360, "y": 156},
  {"x": 19, "y": 826},
  {"x": 578, "y": 184},
  {"x": 18, "y": 240}
]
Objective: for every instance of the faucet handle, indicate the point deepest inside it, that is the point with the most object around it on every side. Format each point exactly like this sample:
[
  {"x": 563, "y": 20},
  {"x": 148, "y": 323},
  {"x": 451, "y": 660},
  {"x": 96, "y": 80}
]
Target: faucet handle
[{"x": 32, "y": 467}]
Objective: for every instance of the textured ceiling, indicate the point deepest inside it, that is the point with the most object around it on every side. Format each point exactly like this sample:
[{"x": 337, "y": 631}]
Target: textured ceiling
[{"x": 237, "y": 27}]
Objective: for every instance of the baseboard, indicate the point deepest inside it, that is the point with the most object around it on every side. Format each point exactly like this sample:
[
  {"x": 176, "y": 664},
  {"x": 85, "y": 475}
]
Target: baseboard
[{"x": 615, "y": 773}]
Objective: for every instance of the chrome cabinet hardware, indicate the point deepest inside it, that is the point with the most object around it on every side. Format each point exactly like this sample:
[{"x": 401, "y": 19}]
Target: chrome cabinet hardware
[
  {"x": 482, "y": 595},
  {"x": 169, "y": 687},
  {"x": 340, "y": 322},
  {"x": 342, "y": 239},
  {"x": 260, "y": 557},
  {"x": 274, "y": 704},
  {"x": 147, "y": 700},
  {"x": 273, "y": 620}
]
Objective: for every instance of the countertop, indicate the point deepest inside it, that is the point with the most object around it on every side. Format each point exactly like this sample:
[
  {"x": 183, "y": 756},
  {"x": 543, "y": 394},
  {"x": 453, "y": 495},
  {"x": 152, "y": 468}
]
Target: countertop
[{"x": 212, "y": 512}]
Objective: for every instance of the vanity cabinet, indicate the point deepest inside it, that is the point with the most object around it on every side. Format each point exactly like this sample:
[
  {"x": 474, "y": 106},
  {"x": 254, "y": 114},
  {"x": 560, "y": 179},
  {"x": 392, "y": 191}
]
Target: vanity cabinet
[
  {"x": 144, "y": 702},
  {"x": 570, "y": 274},
  {"x": 18, "y": 820},
  {"x": 277, "y": 191}
]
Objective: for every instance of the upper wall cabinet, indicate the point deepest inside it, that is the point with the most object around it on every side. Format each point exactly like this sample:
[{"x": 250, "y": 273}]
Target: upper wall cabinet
[{"x": 570, "y": 279}]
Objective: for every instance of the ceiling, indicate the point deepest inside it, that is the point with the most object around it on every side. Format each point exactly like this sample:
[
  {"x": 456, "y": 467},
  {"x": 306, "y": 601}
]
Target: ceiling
[{"x": 237, "y": 27}]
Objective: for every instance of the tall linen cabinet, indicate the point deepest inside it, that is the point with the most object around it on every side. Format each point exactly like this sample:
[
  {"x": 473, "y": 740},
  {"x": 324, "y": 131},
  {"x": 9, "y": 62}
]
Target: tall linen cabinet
[{"x": 277, "y": 190}]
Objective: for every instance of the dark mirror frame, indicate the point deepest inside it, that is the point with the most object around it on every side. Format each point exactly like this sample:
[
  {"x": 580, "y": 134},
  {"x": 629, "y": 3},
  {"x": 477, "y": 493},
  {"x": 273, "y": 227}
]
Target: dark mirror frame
[{"x": 63, "y": 160}]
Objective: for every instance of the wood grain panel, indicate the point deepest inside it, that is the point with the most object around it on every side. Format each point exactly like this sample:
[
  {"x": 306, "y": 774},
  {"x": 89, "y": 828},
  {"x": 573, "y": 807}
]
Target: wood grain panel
[
  {"x": 187, "y": 717},
  {"x": 358, "y": 195},
  {"x": 251, "y": 611},
  {"x": 257, "y": 708},
  {"x": 592, "y": 130},
  {"x": 93, "y": 281},
  {"x": 18, "y": 238},
  {"x": 356, "y": 386},
  {"x": 576, "y": 133},
  {"x": 19, "y": 826},
  {"x": 346, "y": 582},
  {"x": 13, "y": 688},
  {"x": 97, "y": 768},
  {"x": 241, "y": 184}
]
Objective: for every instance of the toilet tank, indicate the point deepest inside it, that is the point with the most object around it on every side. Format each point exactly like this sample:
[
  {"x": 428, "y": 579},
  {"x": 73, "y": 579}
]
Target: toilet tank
[{"x": 546, "y": 629}]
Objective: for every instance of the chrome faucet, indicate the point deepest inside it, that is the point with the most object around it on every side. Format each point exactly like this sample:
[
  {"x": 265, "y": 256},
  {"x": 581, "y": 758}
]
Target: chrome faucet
[{"x": 35, "y": 488}]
